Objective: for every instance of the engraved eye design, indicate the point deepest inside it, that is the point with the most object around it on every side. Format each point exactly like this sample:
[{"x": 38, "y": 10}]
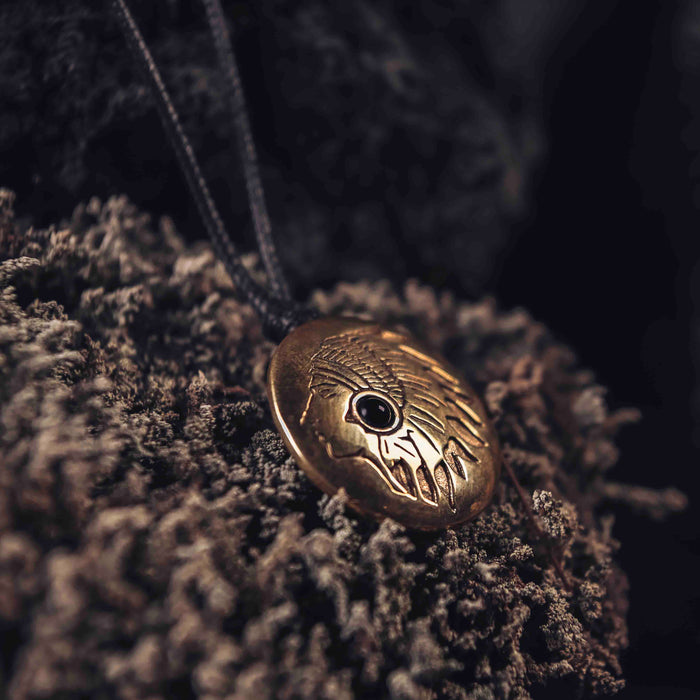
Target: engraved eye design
[
  {"x": 403, "y": 413},
  {"x": 370, "y": 411},
  {"x": 375, "y": 412}
]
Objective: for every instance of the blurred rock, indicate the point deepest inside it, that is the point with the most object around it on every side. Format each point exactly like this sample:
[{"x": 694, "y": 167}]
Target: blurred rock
[{"x": 396, "y": 139}]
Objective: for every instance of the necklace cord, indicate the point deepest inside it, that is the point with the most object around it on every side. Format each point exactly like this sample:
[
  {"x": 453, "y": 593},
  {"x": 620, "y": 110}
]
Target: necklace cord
[
  {"x": 277, "y": 315},
  {"x": 246, "y": 147}
]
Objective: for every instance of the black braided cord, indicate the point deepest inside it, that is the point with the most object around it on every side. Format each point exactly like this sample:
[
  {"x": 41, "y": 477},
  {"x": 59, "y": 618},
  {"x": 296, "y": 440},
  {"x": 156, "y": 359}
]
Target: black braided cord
[
  {"x": 278, "y": 316},
  {"x": 246, "y": 147}
]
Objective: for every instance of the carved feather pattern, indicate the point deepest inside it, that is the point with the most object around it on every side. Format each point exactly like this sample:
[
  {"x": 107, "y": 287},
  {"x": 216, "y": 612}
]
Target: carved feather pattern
[
  {"x": 347, "y": 359},
  {"x": 440, "y": 434}
]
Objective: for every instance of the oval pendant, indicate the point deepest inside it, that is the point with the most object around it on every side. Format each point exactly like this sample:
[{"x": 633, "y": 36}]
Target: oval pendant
[{"x": 370, "y": 410}]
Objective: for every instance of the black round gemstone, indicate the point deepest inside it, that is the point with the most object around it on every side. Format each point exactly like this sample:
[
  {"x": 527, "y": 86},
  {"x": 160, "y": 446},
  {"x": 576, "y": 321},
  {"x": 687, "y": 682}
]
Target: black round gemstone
[{"x": 375, "y": 412}]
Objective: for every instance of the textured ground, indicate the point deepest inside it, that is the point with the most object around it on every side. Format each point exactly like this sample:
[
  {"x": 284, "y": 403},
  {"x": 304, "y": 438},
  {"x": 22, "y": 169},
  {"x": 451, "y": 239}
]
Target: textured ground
[{"x": 157, "y": 541}]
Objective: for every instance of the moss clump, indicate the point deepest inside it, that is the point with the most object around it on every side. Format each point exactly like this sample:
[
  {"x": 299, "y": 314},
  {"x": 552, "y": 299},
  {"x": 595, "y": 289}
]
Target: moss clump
[{"x": 157, "y": 541}]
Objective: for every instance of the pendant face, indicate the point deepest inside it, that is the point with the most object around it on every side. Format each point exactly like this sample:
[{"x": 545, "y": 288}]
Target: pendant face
[{"x": 367, "y": 409}]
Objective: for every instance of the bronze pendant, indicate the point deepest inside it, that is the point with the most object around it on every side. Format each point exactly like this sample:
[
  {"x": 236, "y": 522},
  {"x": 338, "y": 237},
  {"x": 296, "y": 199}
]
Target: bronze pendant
[{"x": 367, "y": 409}]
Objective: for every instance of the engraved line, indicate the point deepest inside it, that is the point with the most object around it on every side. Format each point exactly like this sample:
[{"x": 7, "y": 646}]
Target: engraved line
[
  {"x": 432, "y": 486},
  {"x": 426, "y": 435},
  {"x": 407, "y": 451},
  {"x": 408, "y": 475},
  {"x": 430, "y": 362},
  {"x": 429, "y": 400},
  {"x": 467, "y": 409},
  {"x": 429, "y": 417},
  {"x": 470, "y": 455},
  {"x": 455, "y": 462},
  {"x": 455, "y": 390},
  {"x": 439, "y": 429},
  {"x": 385, "y": 472},
  {"x": 412, "y": 479},
  {"x": 451, "y": 486},
  {"x": 330, "y": 381},
  {"x": 417, "y": 354},
  {"x": 339, "y": 378},
  {"x": 417, "y": 386},
  {"x": 467, "y": 427},
  {"x": 444, "y": 374}
]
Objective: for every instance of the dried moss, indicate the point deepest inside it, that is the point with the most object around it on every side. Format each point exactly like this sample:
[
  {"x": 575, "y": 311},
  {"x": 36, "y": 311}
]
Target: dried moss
[{"x": 156, "y": 539}]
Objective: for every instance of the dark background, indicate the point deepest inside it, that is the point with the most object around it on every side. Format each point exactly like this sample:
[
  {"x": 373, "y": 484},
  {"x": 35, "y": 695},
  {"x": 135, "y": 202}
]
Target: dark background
[
  {"x": 603, "y": 251},
  {"x": 617, "y": 191}
]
